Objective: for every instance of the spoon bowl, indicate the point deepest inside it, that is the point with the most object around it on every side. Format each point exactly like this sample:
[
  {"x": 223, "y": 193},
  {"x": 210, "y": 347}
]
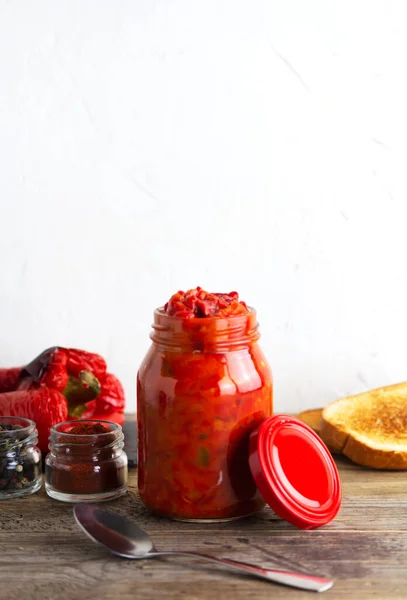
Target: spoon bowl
[{"x": 120, "y": 535}]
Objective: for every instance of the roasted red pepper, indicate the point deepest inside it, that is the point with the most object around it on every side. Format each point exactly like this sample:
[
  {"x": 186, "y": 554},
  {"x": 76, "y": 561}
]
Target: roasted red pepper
[
  {"x": 43, "y": 405},
  {"x": 66, "y": 370},
  {"x": 77, "y": 377},
  {"x": 9, "y": 379},
  {"x": 109, "y": 404}
]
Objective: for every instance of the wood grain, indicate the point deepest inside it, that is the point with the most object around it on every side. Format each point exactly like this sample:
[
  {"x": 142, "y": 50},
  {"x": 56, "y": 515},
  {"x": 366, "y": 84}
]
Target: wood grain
[{"x": 44, "y": 556}]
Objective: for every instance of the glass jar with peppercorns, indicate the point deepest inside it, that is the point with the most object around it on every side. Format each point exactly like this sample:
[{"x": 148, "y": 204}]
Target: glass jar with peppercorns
[{"x": 20, "y": 458}]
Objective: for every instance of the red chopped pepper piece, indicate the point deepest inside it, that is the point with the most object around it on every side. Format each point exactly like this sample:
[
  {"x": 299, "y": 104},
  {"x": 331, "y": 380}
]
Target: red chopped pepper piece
[{"x": 200, "y": 304}]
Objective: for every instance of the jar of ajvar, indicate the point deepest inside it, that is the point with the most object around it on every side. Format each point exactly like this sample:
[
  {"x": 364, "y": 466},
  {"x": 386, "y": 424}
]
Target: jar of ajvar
[{"x": 202, "y": 389}]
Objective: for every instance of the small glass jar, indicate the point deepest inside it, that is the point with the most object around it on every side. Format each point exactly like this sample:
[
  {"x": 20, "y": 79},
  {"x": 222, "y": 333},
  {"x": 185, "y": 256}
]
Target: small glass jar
[
  {"x": 202, "y": 388},
  {"x": 20, "y": 458},
  {"x": 82, "y": 467}
]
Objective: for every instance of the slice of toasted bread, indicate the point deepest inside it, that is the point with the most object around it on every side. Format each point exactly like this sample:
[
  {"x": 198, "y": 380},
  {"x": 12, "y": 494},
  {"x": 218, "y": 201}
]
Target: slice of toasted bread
[
  {"x": 312, "y": 418},
  {"x": 369, "y": 428}
]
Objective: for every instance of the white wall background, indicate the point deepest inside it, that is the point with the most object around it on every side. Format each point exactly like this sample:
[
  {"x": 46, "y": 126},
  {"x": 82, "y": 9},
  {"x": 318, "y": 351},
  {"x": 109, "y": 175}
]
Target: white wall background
[{"x": 253, "y": 145}]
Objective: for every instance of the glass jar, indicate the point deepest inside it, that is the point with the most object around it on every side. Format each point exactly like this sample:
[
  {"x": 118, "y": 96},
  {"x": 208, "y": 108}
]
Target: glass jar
[
  {"x": 20, "y": 459},
  {"x": 82, "y": 467},
  {"x": 202, "y": 388}
]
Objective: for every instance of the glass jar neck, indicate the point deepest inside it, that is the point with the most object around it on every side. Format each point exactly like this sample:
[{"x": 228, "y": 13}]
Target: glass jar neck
[
  {"x": 206, "y": 335},
  {"x": 83, "y": 447},
  {"x": 25, "y": 436}
]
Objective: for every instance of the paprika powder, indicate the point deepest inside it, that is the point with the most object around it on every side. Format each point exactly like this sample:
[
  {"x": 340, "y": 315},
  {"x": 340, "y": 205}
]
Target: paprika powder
[{"x": 86, "y": 461}]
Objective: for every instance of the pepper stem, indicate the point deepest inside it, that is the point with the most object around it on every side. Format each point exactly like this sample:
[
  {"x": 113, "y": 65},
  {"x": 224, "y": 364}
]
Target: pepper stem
[
  {"x": 89, "y": 380},
  {"x": 79, "y": 391}
]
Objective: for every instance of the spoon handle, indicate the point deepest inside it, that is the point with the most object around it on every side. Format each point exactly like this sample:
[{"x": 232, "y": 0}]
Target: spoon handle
[{"x": 297, "y": 580}]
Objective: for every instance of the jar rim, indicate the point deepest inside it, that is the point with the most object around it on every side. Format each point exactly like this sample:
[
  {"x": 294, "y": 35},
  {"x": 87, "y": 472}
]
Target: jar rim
[
  {"x": 10, "y": 420},
  {"x": 57, "y": 428}
]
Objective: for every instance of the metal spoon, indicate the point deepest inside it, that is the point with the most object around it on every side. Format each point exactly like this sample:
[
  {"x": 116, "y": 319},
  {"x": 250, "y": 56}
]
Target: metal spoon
[{"x": 124, "y": 538}]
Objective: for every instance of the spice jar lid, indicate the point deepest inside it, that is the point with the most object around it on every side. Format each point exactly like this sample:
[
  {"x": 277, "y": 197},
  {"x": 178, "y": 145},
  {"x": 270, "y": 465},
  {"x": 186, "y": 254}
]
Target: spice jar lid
[{"x": 295, "y": 472}]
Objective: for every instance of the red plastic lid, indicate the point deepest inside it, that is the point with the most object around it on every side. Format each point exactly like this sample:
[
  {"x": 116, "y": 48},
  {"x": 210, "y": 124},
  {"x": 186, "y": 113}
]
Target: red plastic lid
[{"x": 295, "y": 472}]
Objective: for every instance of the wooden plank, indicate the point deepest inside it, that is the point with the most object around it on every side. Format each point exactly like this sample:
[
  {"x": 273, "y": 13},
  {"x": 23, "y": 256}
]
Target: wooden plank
[
  {"x": 43, "y": 554},
  {"x": 71, "y": 563}
]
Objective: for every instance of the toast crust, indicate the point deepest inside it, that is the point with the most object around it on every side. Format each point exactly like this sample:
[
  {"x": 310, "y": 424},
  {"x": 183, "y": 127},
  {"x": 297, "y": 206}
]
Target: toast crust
[
  {"x": 375, "y": 458},
  {"x": 312, "y": 418}
]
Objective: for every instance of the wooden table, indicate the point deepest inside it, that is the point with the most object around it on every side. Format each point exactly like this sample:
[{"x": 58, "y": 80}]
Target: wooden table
[{"x": 44, "y": 556}]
